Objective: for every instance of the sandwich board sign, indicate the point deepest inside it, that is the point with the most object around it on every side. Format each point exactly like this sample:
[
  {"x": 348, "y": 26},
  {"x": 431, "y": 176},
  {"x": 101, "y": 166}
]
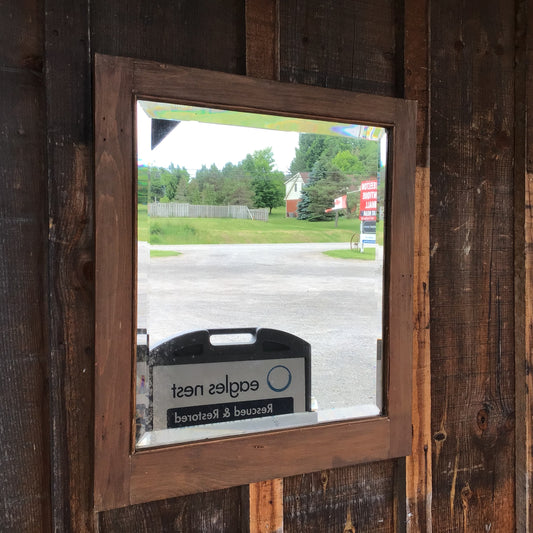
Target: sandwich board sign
[{"x": 195, "y": 382}]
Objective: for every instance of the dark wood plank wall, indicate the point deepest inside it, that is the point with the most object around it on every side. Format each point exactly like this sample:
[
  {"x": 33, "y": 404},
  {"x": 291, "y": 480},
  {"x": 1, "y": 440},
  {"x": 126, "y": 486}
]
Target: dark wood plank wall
[
  {"x": 524, "y": 271},
  {"x": 472, "y": 257},
  {"x": 477, "y": 129},
  {"x": 25, "y": 468},
  {"x": 70, "y": 264}
]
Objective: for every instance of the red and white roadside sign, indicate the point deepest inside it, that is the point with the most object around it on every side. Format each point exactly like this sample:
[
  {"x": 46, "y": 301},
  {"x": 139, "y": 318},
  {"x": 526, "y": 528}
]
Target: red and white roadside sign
[{"x": 368, "y": 201}]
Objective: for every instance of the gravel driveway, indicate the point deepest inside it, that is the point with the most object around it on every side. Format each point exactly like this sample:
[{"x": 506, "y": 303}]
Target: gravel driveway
[{"x": 334, "y": 304}]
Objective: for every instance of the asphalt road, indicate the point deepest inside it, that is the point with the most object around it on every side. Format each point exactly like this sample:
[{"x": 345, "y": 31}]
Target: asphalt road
[{"x": 333, "y": 304}]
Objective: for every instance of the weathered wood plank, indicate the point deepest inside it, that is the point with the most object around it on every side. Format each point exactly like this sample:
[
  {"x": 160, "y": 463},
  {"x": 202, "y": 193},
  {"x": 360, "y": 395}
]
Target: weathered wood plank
[
  {"x": 70, "y": 265},
  {"x": 266, "y": 506},
  {"x": 346, "y": 499},
  {"x": 202, "y": 34},
  {"x": 262, "y": 39},
  {"x": 523, "y": 265},
  {"x": 24, "y": 462},
  {"x": 417, "y": 87},
  {"x": 114, "y": 278},
  {"x": 209, "y": 512},
  {"x": 343, "y": 44},
  {"x": 472, "y": 331}
]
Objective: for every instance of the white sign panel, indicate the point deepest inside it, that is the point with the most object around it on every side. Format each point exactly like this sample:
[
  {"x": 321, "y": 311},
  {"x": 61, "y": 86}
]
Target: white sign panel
[{"x": 208, "y": 393}]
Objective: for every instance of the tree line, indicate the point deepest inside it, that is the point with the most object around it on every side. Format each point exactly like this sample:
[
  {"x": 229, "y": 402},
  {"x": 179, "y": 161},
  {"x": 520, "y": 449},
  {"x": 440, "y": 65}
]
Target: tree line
[
  {"x": 252, "y": 182},
  {"x": 335, "y": 164}
]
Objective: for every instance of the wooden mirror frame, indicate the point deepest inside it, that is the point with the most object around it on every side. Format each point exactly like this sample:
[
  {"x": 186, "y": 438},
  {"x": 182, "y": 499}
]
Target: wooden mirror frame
[{"x": 125, "y": 476}]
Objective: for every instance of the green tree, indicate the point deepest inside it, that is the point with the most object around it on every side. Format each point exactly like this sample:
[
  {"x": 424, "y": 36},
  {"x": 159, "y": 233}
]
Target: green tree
[
  {"x": 325, "y": 184},
  {"x": 267, "y": 185},
  {"x": 259, "y": 164},
  {"x": 353, "y": 156},
  {"x": 310, "y": 148},
  {"x": 269, "y": 191},
  {"x": 237, "y": 185},
  {"x": 210, "y": 185},
  {"x": 304, "y": 208},
  {"x": 193, "y": 194},
  {"x": 342, "y": 162},
  {"x": 142, "y": 185},
  {"x": 322, "y": 195},
  {"x": 349, "y": 163},
  {"x": 161, "y": 183}
]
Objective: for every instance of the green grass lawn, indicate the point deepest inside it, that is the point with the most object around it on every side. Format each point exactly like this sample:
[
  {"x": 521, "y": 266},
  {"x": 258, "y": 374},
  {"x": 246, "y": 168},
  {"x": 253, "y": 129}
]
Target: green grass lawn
[
  {"x": 278, "y": 229},
  {"x": 163, "y": 253},
  {"x": 368, "y": 254}
]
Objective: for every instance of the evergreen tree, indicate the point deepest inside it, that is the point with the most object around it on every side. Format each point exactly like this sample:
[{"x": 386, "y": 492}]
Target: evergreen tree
[
  {"x": 310, "y": 148},
  {"x": 323, "y": 193},
  {"x": 304, "y": 208}
]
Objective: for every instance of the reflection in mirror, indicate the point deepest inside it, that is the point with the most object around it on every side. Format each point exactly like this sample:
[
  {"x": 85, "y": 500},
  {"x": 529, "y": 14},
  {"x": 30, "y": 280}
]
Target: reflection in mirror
[{"x": 260, "y": 272}]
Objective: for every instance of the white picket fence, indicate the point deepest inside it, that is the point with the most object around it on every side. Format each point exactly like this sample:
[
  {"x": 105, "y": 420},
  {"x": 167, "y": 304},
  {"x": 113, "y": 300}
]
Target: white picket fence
[{"x": 166, "y": 210}]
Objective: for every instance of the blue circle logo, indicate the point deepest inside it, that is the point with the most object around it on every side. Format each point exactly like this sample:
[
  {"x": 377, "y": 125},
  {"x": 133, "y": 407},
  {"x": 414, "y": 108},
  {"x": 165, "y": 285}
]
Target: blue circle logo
[{"x": 279, "y": 378}]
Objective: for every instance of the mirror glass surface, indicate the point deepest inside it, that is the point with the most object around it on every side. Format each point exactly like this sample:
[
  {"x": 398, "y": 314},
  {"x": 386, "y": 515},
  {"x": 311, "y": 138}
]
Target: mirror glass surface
[{"x": 266, "y": 235}]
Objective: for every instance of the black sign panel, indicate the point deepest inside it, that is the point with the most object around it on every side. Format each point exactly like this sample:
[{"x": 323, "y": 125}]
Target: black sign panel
[
  {"x": 368, "y": 226},
  {"x": 226, "y": 412}
]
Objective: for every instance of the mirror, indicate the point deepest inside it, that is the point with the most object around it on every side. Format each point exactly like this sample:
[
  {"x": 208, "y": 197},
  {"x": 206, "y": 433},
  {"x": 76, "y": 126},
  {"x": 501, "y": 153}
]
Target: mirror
[
  {"x": 270, "y": 384},
  {"x": 252, "y": 227}
]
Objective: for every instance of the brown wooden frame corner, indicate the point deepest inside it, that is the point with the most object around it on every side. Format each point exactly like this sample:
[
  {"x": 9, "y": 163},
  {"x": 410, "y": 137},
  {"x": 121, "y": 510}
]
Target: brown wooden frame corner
[{"x": 123, "y": 476}]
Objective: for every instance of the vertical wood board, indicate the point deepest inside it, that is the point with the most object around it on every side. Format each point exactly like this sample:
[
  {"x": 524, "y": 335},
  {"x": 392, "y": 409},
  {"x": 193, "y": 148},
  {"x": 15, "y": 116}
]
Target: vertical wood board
[
  {"x": 208, "y": 512},
  {"x": 471, "y": 277},
  {"x": 343, "y": 44},
  {"x": 266, "y": 506},
  {"x": 71, "y": 261},
  {"x": 524, "y": 268},
  {"x": 202, "y": 34},
  {"x": 24, "y": 462},
  {"x": 262, "y": 39},
  {"x": 417, "y": 82},
  {"x": 350, "y": 500}
]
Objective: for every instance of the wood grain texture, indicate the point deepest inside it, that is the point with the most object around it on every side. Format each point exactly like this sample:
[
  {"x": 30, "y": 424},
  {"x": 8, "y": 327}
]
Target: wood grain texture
[
  {"x": 210, "y": 512},
  {"x": 114, "y": 281},
  {"x": 418, "y": 486},
  {"x": 523, "y": 265},
  {"x": 343, "y": 44},
  {"x": 349, "y": 500},
  {"x": 471, "y": 276},
  {"x": 202, "y": 34},
  {"x": 351, "y": 45},
  {"x": 24, "y": 462},
  {"x": 255, "y": 457},
  {"x": 262, "y": 39},
  {"x": 266, "y": 506},
  {"x": 71, "y": 262}
]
